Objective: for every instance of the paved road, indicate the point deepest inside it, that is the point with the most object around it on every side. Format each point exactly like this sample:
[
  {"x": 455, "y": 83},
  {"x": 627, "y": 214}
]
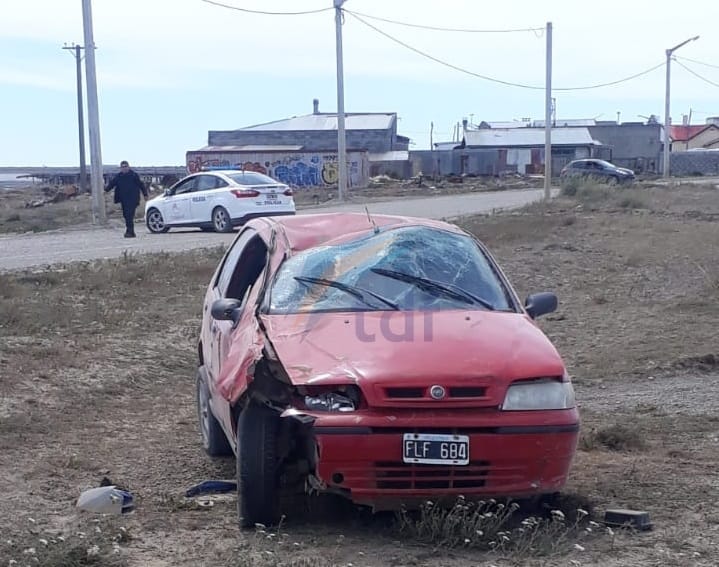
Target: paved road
[{"x": 41, "y": 249}]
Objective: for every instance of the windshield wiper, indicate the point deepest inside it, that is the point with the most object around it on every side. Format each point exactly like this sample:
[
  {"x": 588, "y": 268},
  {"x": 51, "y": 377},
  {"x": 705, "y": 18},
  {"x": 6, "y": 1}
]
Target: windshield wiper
[
  {"x": 354, "y": 291},
  {"x": 434, "y": 287}
]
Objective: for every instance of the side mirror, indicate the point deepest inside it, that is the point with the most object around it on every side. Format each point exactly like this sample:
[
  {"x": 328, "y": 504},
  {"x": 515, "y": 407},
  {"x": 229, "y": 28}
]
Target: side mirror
[
  {"x": 227, "y": 309},
  {"x": 166, "y": 193},
  {"x": 539, "y": 304}
]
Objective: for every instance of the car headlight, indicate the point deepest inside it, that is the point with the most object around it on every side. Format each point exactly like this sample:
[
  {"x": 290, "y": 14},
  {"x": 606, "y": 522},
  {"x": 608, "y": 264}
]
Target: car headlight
[
  {"x": 539, "y": 395},
  {"x": 332, "y": 399}
]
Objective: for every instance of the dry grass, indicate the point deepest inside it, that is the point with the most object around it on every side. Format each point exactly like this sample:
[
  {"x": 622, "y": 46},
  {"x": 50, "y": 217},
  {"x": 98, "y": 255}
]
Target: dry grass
[
  {"x": 84, "y": 543},
  {"x": 16, "y": 217},
  {"x": 613, "y": 437},
  {"x": 506, "y": 529}
]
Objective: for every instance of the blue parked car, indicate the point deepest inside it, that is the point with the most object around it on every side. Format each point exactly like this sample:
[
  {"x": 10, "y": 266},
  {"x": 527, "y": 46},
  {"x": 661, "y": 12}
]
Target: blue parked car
[{"x": 598, "y": 169}]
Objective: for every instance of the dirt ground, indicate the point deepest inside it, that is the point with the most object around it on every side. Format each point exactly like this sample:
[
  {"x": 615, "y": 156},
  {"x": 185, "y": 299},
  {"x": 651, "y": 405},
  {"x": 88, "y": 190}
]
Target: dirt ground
[{"x": 96, "y": 380}]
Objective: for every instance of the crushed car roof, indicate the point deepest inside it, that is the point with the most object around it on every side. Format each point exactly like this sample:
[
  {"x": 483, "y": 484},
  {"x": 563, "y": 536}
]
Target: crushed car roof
[{"x": 307, "y": 231}]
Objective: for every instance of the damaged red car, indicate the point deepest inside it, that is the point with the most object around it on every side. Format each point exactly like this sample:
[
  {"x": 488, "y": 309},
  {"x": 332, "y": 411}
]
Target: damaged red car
[{"x": 386, "y": 359}]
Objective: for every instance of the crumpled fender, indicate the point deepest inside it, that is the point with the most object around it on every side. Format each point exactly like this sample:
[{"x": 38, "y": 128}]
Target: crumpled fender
[{"x": 245, "y": 350}]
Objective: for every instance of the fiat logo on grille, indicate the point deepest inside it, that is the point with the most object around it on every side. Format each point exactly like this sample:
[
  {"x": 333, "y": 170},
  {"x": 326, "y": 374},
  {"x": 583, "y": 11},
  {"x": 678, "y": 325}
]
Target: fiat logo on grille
[{"x": 437, "y": 392}]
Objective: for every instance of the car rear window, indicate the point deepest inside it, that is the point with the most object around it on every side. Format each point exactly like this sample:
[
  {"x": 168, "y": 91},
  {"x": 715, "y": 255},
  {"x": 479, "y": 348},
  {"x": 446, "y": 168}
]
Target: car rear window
[
  {"x": 448, "y": 258},
  {"x": 251, "y": 178}
]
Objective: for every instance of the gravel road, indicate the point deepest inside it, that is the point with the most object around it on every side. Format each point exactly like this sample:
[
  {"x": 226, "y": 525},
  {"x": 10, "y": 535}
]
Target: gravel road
[{"x": 47, "y": 248}]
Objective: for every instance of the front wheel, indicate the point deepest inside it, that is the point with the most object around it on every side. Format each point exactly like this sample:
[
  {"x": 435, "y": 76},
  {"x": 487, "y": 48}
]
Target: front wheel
[
  {"x": 258, "y": 466},
  {"x": 155, "y": 222},
  {"x": 221, "y": 220}
]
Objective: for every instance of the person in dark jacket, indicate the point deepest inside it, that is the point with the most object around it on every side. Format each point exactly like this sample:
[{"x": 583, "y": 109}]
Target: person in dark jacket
[{"x": 128, "y": 186}]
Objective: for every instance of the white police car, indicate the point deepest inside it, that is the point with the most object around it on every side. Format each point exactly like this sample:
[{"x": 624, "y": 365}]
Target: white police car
[{"x": 218, "y": 200}]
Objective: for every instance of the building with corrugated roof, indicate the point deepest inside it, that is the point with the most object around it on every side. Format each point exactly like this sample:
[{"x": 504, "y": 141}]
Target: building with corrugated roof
[{"x": 302, "y": 150}]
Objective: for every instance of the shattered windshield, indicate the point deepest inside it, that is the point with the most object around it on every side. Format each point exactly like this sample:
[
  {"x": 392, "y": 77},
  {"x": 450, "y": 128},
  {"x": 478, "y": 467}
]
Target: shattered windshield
[{"x": 409, "y": 268}]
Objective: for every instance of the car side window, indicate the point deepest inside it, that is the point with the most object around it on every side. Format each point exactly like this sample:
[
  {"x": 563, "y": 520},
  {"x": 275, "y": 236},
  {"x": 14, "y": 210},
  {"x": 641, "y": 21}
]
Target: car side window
[
  {"x": 250, "y": 265},
  {"x": 186, "y": 186},
  {"x": 231, "y": 258},
  {"x": 220, "y": 183},
  {"x": 207, "y": 182}
]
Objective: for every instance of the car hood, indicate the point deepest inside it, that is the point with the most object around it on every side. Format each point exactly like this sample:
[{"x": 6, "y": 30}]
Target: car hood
[
  {"x": 410, "y": 346},
  {"x": 625, "y": 171}
]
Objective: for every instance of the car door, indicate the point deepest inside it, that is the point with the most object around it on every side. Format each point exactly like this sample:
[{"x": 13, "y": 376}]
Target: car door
[
  {"x": 578, "y": 169},
  {"x": 177, "y": 205},
  {"x": 241, "y": 268},
  {"x": 595, "y": 169},
  {"x": 204, "y": 197}
]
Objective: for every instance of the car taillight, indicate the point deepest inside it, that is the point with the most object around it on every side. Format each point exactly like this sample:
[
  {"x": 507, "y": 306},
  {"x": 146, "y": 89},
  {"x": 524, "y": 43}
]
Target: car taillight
[
  {"x": 243, "y": 193},
  {"x": 288, "y": 193}
]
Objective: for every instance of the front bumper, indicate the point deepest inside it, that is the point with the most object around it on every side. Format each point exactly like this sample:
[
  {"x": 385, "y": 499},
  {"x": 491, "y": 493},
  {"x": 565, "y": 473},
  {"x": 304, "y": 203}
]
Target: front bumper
[{"x": 529, "y": 457}]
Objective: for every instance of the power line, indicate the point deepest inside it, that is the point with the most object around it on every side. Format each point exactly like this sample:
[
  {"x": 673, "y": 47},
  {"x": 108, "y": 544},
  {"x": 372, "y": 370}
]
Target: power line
[
  {"x": 493, "y": 79},
  {"x": 246, "y": 10},
  {"x": 436, "y": 28},
  {"x": 698, "y": 62},
  {"x": 697, "y": 75},
  {"x": 440, "y": 61},
  {"x": 611, "y": 83}
]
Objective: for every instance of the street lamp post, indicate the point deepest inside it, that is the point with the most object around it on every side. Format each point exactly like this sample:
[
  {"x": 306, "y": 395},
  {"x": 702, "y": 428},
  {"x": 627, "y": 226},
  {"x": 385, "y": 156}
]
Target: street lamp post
[{"x": 667, "y": 118}]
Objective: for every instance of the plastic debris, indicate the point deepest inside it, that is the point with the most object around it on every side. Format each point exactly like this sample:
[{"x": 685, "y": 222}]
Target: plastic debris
[
  {"x": 621, "y": 518},
  {"x": 106, "y": 500},
  {"x": 211, "y": 487}
]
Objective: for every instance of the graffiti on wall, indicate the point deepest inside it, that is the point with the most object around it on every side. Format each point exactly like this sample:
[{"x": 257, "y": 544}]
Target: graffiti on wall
[{"x": 296, "y": 170}]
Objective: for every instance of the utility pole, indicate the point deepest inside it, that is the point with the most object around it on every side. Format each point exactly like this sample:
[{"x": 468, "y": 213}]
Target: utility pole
[
  {"x": 80, "y": 116},
  {"x": 341, "y": 139},
  {"x": 548, "y": 119},
  {"x": 667, "y": 117},
  {"x": 93, "y": 119}
]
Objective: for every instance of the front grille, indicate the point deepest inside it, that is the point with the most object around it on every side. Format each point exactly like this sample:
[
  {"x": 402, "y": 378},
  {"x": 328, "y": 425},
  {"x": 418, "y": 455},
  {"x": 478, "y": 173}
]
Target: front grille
[
  {"x": 414, "y": 395},
  {"x": 467, "y": 392},
  {"x": 406, "y": 476},
  {"x": 405, "y": 393}
]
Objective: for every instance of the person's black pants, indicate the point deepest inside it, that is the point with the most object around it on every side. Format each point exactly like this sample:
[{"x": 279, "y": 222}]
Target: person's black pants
[{"x": 128, "y": 212}]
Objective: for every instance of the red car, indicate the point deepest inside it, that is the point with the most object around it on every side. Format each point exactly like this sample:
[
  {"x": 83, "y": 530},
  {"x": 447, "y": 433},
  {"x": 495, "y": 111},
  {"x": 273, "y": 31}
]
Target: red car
[{"x": 386, "y": 359}]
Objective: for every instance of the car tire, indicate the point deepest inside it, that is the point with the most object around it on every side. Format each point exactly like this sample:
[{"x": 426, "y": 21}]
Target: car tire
[
  {"x": 612, "y": 180},
  {"x": 221, "y": 220},
  {"x": 214, "y": 440},
  {"x": 155, "y": 222},
  {"x": 258, "y": 470}
]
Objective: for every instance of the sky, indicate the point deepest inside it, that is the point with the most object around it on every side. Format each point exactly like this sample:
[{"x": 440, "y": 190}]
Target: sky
[{"x": 170, "y": 70}]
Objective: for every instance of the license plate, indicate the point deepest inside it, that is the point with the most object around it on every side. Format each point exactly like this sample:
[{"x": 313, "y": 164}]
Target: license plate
[
  {"x": 271, "y": 199},
  {"x": 434, "y": 449}
]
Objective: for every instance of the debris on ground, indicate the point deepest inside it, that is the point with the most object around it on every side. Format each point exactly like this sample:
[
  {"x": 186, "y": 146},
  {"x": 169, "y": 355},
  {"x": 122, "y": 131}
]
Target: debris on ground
[
  {"x": 628, "y": 519},
  {"x": 106, "y": 500},
  {"x": 54, "y": 195},
  {"x": 211, "y": 487}
]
